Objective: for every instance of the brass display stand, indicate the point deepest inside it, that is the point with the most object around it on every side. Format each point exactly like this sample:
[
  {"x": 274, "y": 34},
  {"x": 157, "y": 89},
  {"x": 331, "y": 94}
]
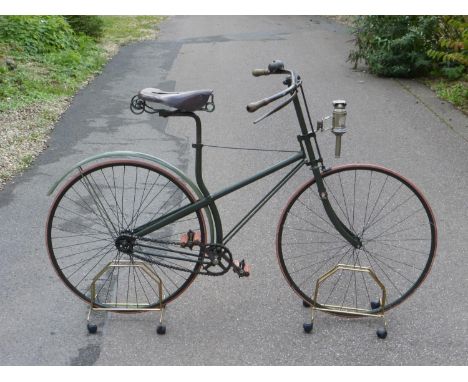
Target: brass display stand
[
  {"x": 128, "y": 307},
  {"x": 347, "y": 310}
]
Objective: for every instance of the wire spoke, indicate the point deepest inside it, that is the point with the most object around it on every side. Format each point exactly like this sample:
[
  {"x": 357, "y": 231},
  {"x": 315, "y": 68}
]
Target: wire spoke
[
  {"x": 309, "y": 254},
  {"x": 399, "y": 222},
  {"x": 405, "y": 249},
  {"x": 376, "y": 201},
  {"x": 143, "y": 200},
  {"x": 313, "y": 225},
  {"x": 385, "y": 205},
  {"x": 337, "y": 254},
  {"x": 385, "y": 273},
  {"x": 91, "y": 178},
  {"x": 412, "y": 266},
  {"x": 387, "y": 215}
]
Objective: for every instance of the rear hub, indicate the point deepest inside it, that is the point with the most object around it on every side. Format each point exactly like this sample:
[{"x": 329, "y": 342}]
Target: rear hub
[{"x": 124, "y": 243}]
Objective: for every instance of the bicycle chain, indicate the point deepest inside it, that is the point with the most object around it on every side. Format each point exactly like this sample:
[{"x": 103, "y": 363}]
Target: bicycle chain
[{"x": 175, "y": 267}]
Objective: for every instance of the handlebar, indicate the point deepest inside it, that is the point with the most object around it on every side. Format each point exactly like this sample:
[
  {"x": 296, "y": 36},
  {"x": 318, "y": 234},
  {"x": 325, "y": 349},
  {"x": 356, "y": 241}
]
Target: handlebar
[
  {"x": 276, "y": 67},
  {"x": 260, "y": 72}
]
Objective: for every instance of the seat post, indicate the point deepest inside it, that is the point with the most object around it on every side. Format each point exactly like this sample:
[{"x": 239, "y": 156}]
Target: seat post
[{"x": 198, "y": 146}]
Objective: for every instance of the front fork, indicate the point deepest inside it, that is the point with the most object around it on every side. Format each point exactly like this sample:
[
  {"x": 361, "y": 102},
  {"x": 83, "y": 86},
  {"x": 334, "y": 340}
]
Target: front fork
[
  {"x": 337, "y": 223},
  {"x": 305, "y": 141}
]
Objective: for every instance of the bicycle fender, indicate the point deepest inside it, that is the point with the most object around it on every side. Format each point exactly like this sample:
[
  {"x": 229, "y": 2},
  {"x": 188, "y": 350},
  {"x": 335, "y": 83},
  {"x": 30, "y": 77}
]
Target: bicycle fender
[{"x": 133, "y": 154}]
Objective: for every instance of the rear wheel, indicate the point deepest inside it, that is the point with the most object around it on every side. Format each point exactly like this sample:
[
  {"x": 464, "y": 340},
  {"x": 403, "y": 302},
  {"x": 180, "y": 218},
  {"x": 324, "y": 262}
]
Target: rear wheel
[
  {"x": 89, "y": 226},
  {"x": 389, "y": 215}
]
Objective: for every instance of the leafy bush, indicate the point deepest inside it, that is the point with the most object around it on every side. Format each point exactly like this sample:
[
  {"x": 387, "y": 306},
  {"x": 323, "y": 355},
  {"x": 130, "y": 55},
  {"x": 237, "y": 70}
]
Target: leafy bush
[
  {"x": 450, "y": 71},
  {"x": 89, "y": 25},
  {"x": 37, "y": 34},
  {"x": 451, "y": 51},
  {"x": 394, "y": 46}
]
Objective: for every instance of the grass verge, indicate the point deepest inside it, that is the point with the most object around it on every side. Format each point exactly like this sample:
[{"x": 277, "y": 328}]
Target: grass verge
[
  {"x": 455, "y": 92},
  {"x": 35, "y": 89}
]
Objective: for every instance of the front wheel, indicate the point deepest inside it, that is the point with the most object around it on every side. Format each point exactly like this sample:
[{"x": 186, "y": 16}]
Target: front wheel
[{"x": 386, "y": 211}]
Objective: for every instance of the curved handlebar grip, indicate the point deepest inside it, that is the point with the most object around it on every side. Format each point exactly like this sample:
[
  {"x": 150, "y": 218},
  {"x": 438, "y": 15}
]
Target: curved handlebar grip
[
  {"x": 254, "y": 106},
  {"x": 260, "y": 72}
]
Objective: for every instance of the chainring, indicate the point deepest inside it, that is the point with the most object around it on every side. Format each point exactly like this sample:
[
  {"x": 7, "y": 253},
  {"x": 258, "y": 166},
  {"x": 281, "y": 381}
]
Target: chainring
[{"x": 220, "y": 257}]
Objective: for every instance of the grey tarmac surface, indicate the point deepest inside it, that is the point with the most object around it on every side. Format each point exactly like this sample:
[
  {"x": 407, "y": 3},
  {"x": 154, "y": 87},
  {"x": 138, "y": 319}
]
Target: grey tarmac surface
[{"x": 226, "y": 320}]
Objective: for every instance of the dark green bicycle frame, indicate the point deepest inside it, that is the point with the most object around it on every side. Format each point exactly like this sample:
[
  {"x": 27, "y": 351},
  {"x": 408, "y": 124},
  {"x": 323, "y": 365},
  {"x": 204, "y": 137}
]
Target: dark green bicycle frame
[{"x": 305, "y": 156}]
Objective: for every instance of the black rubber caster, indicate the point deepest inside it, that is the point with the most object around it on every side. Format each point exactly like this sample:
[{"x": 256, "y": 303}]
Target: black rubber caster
[
  {"x": 305, "y": 304},
  {"x": 375, "y": 305},
  {"x": 308, "y": 327},
  {"x": 92, "y": 328},
  {"x": 161, "y": 329},
  {"x": 382, "y": 333}
]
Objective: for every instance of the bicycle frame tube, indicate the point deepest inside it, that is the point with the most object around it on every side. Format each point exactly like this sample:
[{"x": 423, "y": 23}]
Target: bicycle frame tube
[
  {"x": 211, "y": 207},
  {"x": 209, "y": 200},
  {"x": 262, "y": 202}
]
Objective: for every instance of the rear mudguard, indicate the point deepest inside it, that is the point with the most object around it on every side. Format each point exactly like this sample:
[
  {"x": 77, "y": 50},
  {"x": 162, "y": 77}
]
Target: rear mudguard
[{"x": 131, "y": 154}]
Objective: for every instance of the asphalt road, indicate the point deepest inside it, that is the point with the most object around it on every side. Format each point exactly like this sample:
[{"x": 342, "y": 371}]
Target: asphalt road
[{"x": 227, "y": 320}]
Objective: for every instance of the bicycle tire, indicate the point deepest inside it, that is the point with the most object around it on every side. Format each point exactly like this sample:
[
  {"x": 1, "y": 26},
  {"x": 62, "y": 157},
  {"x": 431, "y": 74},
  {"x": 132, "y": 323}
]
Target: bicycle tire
[
  {"x": 398, "y": 232},
  {"x": 98, "y": 205}
]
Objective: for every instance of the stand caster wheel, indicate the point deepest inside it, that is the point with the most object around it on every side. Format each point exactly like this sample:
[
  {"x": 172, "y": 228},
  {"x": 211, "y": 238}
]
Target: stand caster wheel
[
  {"x": 375, "y": 305},
  {"x": 308, "y": 327},
  {"x": 305, "y": 304},
  {"x": 161, "y": 329},
  {"x": 92, "y": 328},
  {"x": 382, "y": 333}
]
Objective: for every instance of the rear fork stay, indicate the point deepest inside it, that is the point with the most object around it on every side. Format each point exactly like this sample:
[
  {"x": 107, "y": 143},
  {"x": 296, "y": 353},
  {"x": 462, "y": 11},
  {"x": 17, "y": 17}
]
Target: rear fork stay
[{"x": 215, "y": 255}]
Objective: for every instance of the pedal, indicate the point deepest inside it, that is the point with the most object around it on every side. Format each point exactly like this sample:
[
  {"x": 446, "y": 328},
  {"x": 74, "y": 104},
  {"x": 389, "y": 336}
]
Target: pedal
[
  {"x": 190, "y": 239},
  {"x": 241, "y": 268}
]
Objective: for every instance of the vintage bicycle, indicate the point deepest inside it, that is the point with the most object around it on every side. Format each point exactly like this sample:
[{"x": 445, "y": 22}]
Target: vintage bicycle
[{"x": 129, "y": 231}]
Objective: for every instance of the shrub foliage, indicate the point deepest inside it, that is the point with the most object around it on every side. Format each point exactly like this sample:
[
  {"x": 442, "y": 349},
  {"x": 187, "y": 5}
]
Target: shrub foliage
[
  {"x": 89, "y": 25},
  {"x": 37, "y": 34},
  {"x": 394, "y": 46},
  {"x": 453, "y": 40},
  {"x": 41, "y": 57}
]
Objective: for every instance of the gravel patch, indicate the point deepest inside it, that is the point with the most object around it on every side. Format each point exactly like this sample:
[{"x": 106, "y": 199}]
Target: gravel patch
[{"x": 24, "y": 134}]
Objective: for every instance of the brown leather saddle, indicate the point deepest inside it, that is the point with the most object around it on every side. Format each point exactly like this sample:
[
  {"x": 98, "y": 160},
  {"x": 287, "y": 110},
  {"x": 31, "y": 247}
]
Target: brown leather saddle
[{"x": 184, "y": 101}]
